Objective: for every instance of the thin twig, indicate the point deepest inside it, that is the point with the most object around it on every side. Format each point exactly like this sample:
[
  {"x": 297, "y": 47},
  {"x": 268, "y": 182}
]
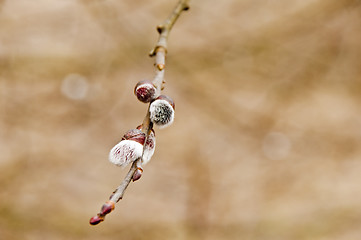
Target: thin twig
[
  {"x": 159, "y": 51},
  {"x": 119, "y": 192}
]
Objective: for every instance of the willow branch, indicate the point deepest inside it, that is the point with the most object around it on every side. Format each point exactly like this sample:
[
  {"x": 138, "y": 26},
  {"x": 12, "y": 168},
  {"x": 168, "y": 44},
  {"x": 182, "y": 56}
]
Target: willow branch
[
  {"x": 159, "y": 52},
  {"x": 120, "y": 190},
  {"x": 160, "y": 49}
]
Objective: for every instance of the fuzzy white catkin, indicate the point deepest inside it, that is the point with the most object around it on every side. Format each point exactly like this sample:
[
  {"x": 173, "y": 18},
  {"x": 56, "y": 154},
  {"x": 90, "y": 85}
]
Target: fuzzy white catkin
[
  {"x": 127, "y": 151},
  {"x": 148, "y": 153},
  {"x": 161, "y": 113}
]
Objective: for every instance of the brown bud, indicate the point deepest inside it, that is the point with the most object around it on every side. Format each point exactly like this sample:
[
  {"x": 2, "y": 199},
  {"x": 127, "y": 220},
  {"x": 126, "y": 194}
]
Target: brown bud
[
  {"x": 160, "y": 66},
  {"x": 111, "y": 195},
  {"x": 145, "y": 91},
  {"x": 135, "y": 135},
  {"x": 96, "y": 219},
  {"x": 137, "y": 174},
  {"x": 107, "y": 208}
]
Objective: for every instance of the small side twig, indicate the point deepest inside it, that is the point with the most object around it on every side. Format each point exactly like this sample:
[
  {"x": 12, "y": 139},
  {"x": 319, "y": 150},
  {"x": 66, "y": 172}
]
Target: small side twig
[{"x": 159, "y": 52}]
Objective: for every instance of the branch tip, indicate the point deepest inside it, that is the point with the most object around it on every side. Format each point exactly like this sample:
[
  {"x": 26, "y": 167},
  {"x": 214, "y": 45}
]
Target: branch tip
[{"x": 96, "y": 220}]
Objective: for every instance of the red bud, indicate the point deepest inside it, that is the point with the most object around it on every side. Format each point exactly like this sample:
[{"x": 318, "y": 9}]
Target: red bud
[
  {"x": 107, "y": 208},
  {"x": 137, "y": 174},
  {"x": 145, "y": 91},
  {"x": 96, "y": 219}
]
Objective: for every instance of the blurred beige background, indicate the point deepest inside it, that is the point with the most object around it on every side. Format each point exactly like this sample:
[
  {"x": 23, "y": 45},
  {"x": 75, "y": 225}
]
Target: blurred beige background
[{"x": 266, "y": 140}]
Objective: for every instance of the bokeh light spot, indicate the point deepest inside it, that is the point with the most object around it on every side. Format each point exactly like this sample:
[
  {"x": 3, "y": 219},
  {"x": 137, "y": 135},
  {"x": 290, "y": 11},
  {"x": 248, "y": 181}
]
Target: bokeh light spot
[{"x": 75, "y": 86}]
